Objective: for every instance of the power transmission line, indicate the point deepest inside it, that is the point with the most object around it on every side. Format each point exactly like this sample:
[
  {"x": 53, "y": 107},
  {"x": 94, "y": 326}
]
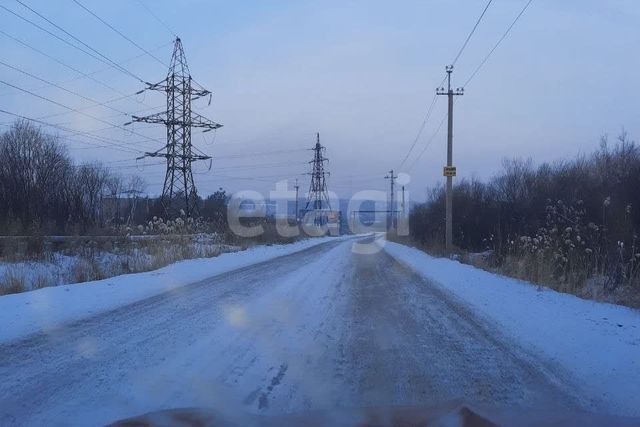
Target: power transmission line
[
  {"x": 434, "y": 100},
  {"x": 110, "y": 143},
  {"x": 101, "y": 57},
  {"x": 109, "y": 101},
  {"x": 486, "y": 58},
  {"x": 417, "y": 138},
  {"x": 82, "y": 74},
  {"x": 258, "y": 154},
  {"x": 262, "y": 166},
  {"x": 76, "y": 111},
  {"x": 433, "y": 136},
  {"x": 55, "y": 59},
  {"x": 52, "y": 34},
  {"x": 96, "y": 103},
  {"x": 120, "y": 33},
  {"x": 153, "y": 15},
  {"x": 471, "y": 77},
  {"x": 473, "y": 30}
]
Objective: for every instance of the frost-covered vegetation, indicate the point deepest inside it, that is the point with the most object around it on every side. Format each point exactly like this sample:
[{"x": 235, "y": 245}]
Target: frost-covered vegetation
[
  {"x": 63, "y": 222},
  {"x": 571, "y": 225},
  {"x": 86, "y": 259}
]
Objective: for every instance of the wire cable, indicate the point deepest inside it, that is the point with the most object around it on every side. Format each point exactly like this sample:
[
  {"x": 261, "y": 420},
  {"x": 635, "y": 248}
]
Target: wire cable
[
  {"x": 486, "y": 58},
  {"x": 110, "y": 143},
  {"x": 104, "y": 59},
  {"x": 417, "y": 138},
  {"x": 428, "y": 143},
  {"x": 120, "y": 33},
  {"x": 473, "y": 30},
  {"x": 82, "y": 74},
  {"x": 153, "y": 15},
  {"x": 44, "y": 98},
  {"x": 96, "y": 103}
]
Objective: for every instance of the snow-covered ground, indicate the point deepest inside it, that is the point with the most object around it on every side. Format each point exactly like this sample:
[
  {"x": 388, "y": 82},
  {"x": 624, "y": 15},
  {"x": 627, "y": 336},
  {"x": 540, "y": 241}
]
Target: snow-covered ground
[
  {"x": 318, "y": 324},
  {"x": 598, "y": 342},
  {"x": 87, "y": 261},
  {"x": 46, "y": 309}
]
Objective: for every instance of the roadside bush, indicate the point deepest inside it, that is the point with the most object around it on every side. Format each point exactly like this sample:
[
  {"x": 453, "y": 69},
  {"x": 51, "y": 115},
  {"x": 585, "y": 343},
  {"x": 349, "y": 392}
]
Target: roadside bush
[{"x": 569, "y": 225}]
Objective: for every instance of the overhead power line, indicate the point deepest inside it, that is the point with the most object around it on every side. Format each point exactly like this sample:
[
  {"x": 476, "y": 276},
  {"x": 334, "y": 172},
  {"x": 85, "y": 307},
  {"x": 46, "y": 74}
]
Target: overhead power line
[
  {"x": 475, "y": 72},
  {"x": 154, "y": 16},
  {"x": 473, "y": 30},
  {"x": 79, "y": 95},
  {"x": 486, "y": 58},
  {"x": 44, "y": 98},
  {"x": 109, "y": 143},
  {"x": 67, "y": 42},
  {"x": 417, "y": 138},
  {"x": 259, "y": 154},
  {"x": 100, "y": 56},
  {"x": 82, "y": 74},
  {"x": 424, "y": 149},
  {"x": 120, "y": 33},
  {"x": 435, "y": 97}
]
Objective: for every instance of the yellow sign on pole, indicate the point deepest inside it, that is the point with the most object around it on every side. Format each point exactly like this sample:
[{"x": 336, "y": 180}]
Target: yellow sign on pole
[{"x": 449, "y": 171}]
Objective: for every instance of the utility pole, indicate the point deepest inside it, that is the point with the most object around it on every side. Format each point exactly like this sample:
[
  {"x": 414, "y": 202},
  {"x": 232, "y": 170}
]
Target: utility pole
[
  {"x": 449, "y": 171},
  {"x": 297, "y": 187},
  {"x": 179, "y": 193},
  {"x": 392, "y": 209},
  {"x": 403, "y": 200}
]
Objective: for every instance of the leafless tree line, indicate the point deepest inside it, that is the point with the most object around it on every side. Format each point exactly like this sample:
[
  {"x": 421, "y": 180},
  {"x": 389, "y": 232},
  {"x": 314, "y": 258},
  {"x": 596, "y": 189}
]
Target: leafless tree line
[
  {"x": 577, "y": 217},
  {"x": 42, "y": 189}
]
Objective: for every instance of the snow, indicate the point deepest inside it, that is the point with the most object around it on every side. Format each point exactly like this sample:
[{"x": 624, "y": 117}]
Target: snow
[
  {"x": 597, "y": 343},
  {"x": 279, "y": 331},
  {"x": 46, "y": 309},
  {"x": 86, "y": 261}
]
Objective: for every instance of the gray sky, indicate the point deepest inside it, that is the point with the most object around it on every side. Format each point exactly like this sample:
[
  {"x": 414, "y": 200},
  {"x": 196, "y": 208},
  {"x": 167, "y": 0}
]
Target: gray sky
[{"x": 363, "y": 73}]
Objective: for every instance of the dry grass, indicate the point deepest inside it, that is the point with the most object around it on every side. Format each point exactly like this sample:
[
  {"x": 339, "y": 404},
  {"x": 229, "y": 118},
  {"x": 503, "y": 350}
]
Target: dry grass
[
  {"x": 99, "y": 258},
  {"x": 86, "y": 270},
  {"x": 41, "y": 281},
  {"x": 12, "y": 282},
  {"x": 539, "y": 271}
]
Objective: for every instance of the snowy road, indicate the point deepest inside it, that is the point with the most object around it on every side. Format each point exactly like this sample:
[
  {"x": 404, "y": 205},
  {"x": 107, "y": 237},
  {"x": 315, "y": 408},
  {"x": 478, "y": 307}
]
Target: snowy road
[{"x": 316, "y": 329}]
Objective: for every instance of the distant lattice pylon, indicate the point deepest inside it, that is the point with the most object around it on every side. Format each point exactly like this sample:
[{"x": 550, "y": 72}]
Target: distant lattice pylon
[{"x": 318, "y": 205}]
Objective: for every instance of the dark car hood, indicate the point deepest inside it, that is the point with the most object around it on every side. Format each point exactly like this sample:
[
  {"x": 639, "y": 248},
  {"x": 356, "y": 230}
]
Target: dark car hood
[{"x": 450, "y": 415}]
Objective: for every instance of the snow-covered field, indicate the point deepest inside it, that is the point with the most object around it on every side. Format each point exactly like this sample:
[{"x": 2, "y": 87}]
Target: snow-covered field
[
  {"x": 598, "y": 342},
  {"x": 46, "y": 309}
]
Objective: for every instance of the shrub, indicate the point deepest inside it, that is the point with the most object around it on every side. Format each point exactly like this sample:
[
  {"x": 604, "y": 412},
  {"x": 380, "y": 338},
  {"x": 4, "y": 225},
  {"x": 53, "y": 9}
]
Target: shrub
[{"x": 560, "y": 224}]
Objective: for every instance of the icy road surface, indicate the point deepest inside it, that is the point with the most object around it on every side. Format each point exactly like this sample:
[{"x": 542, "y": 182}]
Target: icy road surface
[{"x": 316, "y": 329}]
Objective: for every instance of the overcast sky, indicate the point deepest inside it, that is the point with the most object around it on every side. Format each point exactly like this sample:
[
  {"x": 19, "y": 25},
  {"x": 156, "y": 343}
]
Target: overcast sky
[{"x": 362, "y": 73}]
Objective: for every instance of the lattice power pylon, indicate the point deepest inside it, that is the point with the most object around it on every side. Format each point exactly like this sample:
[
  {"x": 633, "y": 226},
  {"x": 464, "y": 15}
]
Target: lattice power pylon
[
  {"x": 318, "y": 206},
  {"x": 179, "y": 195}
]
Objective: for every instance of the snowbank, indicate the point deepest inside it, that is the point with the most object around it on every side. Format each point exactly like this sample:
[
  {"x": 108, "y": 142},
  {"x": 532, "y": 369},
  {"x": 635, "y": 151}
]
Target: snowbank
[
  {"x": 48, "y": 308},
  {"x": 596, "y": 342}
]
